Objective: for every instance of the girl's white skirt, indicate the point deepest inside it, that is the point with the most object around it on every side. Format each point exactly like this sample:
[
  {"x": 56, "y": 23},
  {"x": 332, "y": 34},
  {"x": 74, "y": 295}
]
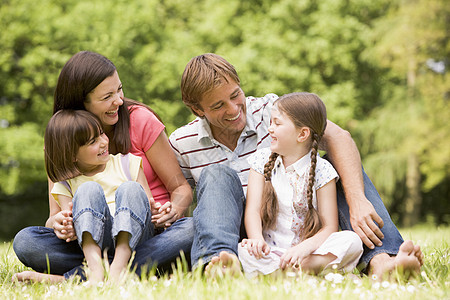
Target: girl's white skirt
[{"x": 345, "y": 245}]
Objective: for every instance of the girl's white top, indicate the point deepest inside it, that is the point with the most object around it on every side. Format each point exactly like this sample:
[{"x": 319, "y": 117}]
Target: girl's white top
[{"x": 290, "y": 185}]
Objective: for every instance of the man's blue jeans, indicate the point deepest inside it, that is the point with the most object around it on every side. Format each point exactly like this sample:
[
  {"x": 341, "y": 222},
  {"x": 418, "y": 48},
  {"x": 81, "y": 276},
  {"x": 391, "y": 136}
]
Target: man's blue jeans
[
  {"x": 392, "y": 238},
  {"x": 40, "y": 249},
  {"x": 220, "y": 206},
  {"x": 219, "y": 213}
]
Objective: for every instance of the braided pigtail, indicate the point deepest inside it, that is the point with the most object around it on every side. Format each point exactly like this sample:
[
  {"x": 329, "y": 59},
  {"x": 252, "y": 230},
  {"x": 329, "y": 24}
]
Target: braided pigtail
[
  {"x": 312, "y": 219},
  {"x": 307, "y": 110},
  {"x": 269, "y": 206}
]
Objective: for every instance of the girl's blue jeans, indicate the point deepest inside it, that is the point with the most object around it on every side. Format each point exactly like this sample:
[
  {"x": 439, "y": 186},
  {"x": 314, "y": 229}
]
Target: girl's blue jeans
[
  {"x": 39, "y": 248},
  {"x": 218, "y": 217},
  {"x": 92, "y": 215}
]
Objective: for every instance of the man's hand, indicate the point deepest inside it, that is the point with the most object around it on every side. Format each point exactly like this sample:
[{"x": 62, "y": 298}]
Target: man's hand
[{"x": 363, "y": 217}]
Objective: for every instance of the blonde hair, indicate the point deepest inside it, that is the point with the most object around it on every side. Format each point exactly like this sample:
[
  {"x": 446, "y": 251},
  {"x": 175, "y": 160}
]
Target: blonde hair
[
  {"x": 202, "y": 74},
  {"x": 304, "y": 110},
  {"x": 66, "y": 132}
]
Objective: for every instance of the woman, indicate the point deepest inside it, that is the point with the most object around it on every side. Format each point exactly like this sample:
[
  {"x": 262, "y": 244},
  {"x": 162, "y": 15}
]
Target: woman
[{"x": 90, "y": 81}]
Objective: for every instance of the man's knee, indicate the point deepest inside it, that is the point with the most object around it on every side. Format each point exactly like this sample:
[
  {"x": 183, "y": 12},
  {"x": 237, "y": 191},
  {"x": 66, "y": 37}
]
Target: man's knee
[{"x": 219, "y": 174}]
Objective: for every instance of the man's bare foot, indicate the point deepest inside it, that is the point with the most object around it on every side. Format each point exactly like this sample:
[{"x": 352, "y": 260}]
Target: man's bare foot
[
  {"x": 418, "y": 253},
  {"x": 225, "y": 263},
  {"x": 408, "y": 261},
  {"x": 33, "y": 276}
]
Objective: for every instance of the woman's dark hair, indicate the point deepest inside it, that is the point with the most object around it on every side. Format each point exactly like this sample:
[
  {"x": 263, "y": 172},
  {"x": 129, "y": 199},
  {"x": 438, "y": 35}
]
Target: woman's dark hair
[
  {"x": 82, "y": 73},
  {"x": 66, "y": 132},
  {"x": 304, "y": 110}
]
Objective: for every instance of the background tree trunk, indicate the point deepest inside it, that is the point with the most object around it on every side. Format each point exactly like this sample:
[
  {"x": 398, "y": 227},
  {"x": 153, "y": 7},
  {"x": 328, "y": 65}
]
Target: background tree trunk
[{"x": 414, "y": 197}]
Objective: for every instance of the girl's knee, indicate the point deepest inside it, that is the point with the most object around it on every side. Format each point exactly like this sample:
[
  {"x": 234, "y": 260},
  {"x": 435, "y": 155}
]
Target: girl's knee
[
  {"x": 90, "y": 187},
  {"x": 130, "y": 189},
  {"x": 89, "y": 195},
  {"x": 88, "y": 190},
  {"x": 353, "y": 240},
  {"x": 131, "y": 192},
  {"x": 129, "y": 186}
]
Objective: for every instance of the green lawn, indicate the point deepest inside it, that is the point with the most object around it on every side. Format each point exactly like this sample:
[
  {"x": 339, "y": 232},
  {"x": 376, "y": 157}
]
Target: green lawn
[{"x": 433, "y": 282}]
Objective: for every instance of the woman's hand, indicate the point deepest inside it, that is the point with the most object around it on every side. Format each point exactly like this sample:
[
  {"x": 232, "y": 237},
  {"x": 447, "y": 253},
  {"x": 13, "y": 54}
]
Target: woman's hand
[
  {"x": 60, "y": 219},
  {"x": 63, "y": 226},
  {"x": 164, "y": 215},
  {"x": 256, "y": 247}
]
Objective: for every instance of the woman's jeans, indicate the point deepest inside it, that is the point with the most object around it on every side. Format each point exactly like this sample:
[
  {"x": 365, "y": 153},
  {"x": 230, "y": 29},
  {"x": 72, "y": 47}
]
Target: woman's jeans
[
  {"x": 39, "y": 248},
  {"x": 219, "y": 215}
]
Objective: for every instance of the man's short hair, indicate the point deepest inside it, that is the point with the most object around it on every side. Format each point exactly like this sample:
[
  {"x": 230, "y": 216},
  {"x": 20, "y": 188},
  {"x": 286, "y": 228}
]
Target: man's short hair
[{"x": 203, "y": 74}]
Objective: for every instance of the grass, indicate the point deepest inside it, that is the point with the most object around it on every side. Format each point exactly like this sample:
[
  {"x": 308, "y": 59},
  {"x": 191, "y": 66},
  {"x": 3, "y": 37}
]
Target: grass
[{"x": 432, "y": 283}]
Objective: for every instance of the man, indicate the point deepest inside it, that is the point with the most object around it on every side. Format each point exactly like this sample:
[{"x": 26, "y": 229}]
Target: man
[{"x": 213, "y": 149}]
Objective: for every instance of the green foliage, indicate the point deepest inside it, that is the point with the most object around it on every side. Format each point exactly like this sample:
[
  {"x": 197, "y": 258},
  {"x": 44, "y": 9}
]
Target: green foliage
[
  {"x": 414, "y": 117},
  {"x": 351, "y": 53},
  {"x": 21, "y": 162}
]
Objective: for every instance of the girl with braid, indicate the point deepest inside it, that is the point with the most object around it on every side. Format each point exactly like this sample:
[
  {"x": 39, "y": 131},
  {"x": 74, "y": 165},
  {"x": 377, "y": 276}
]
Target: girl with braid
[{"x": 291, "y": 214}]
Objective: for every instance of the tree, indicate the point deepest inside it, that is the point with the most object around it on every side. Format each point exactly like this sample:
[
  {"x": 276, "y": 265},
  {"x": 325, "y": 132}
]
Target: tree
[
  {"x": 411, "y": 140},
  {"x": 283, "y": 46}
]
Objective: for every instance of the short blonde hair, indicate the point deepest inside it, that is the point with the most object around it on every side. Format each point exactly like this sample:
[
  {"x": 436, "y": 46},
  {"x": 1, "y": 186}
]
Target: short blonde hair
[{"x": 202, "y": 74}]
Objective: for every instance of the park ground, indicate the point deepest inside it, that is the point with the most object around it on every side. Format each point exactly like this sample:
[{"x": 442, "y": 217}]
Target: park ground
[{"x": 432, "y": 283}]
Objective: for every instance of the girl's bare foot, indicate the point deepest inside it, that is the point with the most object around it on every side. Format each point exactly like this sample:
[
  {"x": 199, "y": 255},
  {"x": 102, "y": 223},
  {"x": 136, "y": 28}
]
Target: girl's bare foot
[
  {"x": 408, "y": 261},
  {"x": 37, "y": 277},
  {"x": 118, "y": 267},
  {"x": 225, "y": 263},
  {"x": 95, "y": 274},
  {"x": 117, "y": 272},
  {"x": 93, "y": 256}
]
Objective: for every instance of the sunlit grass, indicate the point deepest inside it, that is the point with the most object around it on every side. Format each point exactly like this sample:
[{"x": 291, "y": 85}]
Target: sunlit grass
[{"x": 433, "y": 282}]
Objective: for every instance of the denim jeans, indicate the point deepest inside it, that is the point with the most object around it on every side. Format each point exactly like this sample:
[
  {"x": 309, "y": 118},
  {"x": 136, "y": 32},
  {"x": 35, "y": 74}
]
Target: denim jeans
[
  {"x": 218, "y": 215},
  {"x": 40, "y": 249},
  {"x": 392, "y": 238},
  {"x": 219, "y": 211},
  {"x": 91, "y": 214}
]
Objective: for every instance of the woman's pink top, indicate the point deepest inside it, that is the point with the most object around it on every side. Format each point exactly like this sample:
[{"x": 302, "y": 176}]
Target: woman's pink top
[{"x": 144, "y": 130}]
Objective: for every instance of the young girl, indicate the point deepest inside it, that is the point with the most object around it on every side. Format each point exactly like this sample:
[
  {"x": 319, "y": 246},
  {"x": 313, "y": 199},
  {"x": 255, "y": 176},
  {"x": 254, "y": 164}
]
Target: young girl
[
  {"x": 90, "y": 81},
  {"x": 108, "y": 194},
  {"x": 291, "y": 212}
]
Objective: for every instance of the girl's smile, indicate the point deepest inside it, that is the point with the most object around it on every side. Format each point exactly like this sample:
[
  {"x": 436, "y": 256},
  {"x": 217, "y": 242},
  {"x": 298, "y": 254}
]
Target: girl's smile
[
  {"x": 92, "y": 157},
  {"x": 286, "y": 137}
]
